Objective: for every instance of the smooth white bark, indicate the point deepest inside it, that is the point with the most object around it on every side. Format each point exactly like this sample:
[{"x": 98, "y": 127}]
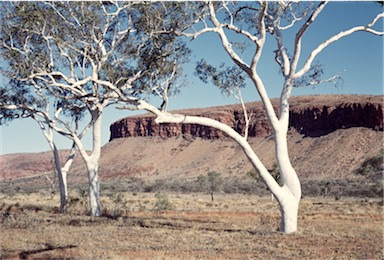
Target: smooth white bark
[
  {"x": 92, "y": 161},
  {"x": 94, "y": 189},
  {"x": 62, "y": 179},
  {"x": 289, "y": 207},
  {"x": 61, "y": 176}
]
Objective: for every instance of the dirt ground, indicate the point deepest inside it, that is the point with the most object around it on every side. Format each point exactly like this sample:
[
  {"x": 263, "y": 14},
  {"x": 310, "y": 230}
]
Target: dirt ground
[{"x": 235, "y": 226}]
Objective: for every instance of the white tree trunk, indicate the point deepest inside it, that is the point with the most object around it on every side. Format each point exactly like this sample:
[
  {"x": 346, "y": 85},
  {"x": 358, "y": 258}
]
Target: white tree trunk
[
  {"x": 63, "y": 188},
  {"x": 288, "y": 176},
  {"x": 290, "y": 197},
  {"x": 289, "y": 207},
  {"x": 92, "y": 162},
  {"x": 62, "y": 178},
  {"x": 94, "y": 190}
]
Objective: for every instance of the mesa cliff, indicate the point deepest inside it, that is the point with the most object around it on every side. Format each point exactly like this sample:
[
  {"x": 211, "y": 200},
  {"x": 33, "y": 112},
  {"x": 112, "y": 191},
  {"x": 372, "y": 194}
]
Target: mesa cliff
[
  {"x": 330, "y": 137},
  {"x": 309, "y": 115}
]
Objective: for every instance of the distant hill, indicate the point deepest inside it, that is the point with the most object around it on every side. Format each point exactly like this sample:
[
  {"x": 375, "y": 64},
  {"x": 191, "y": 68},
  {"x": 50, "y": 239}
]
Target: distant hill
[{"x": 329, "y": 138}]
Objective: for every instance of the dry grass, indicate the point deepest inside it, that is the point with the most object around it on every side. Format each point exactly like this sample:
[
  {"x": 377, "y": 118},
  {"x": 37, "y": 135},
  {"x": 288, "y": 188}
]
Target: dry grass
[{"x": 232, "y": 227}]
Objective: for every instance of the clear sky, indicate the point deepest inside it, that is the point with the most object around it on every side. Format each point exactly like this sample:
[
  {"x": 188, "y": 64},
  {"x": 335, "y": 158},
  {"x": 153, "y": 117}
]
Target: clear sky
[{"x": 359, "y": 59}]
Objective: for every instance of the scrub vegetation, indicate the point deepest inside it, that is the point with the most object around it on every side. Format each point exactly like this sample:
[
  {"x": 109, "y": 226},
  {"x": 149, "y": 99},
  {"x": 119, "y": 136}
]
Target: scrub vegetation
[{"x": 188, "y": 226}]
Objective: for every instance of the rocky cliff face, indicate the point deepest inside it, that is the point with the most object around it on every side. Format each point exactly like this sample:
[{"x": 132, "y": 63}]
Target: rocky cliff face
[{"x": 310, "y": 116}]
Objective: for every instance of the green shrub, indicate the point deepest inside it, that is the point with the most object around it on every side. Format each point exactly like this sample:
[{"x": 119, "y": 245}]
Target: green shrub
[
  {"x": 274, "y": 171},
  {"x": 372, "y": 165},
  {"x": 78, "y": 202},
  {"x": 378, "y": 187},
  {"x": 162, "y": 203},
  {"x": 212, "y": 182},
  {"x": 119, "y": 207}
]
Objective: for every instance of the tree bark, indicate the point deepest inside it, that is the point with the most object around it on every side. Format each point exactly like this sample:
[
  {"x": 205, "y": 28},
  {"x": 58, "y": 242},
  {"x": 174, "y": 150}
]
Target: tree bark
[
  {"x": 94, "y": 190},
  {"x": 63, "y": 188},
  {"x": 290, "y": 197},
  {"x": 289, "y": 207},
  {"x": 92, "y": 163},
  {"x": 288, "y": 176},
  {"x": 62, "y": 179}
]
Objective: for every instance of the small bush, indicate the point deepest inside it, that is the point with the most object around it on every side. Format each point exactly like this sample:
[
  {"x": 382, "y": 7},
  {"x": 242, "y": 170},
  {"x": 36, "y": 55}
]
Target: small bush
[
  {"x": 378, "y": 187},
  {"x": 274, "y": 171},
  {"x": 372, "y": 165},
  {"x": 212, "y": 182},
  {"x": 162, "y": 203},
  {"x": 119, "y": 208},
  {"x": 78, "y": 202}
]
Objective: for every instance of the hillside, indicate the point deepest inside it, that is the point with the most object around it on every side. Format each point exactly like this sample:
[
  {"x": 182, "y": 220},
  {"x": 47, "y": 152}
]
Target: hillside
[{"x": 329, "y": 138}]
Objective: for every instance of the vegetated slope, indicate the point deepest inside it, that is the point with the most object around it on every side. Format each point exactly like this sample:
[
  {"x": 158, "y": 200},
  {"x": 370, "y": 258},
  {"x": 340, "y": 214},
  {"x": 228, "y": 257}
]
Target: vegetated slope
[{"x": 329, "y": 154}]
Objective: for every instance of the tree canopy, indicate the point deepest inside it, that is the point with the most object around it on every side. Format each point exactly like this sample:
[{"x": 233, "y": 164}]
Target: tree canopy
[{"x": 86, "y": 52}]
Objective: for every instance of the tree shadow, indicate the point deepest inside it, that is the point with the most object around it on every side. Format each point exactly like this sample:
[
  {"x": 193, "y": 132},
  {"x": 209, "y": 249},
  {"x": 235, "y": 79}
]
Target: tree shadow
[{"x": 47, "y": 247}]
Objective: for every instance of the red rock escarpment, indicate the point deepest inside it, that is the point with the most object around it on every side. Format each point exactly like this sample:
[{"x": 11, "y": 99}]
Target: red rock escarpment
[{"x": 309, "y": 115}]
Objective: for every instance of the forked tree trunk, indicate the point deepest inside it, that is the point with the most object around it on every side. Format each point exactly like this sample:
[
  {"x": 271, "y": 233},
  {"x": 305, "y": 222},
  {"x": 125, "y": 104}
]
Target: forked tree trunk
[
  {"x": 92, "y": 163},
  {"x": 291, "y": 188}
]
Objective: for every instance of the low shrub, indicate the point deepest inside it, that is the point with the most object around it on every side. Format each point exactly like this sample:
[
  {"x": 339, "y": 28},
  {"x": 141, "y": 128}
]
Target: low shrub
[
  {"x": 162, "y": 203},
  {"x": 119, "y": 206},
  {"x": 373, "y": 165}
]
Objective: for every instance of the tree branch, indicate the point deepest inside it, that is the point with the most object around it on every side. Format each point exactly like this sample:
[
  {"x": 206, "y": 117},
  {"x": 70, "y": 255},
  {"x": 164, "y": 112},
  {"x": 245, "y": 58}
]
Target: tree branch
[
  {"x": 335, "y": 38},
  {"x": 164, "y": 117},
  {"x": 300, "y": 33},
  {"x": 224, "y": 40}
]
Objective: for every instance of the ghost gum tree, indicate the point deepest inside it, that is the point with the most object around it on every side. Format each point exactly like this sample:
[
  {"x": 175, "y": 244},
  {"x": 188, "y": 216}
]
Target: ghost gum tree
[
  {"x": 88, "y": 56},
  {"x": 17, "y": 101},
  {"x": 259, "y": 23}
]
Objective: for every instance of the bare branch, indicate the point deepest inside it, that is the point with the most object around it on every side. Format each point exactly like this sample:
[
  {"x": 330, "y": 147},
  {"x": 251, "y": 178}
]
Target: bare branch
[
  {"x": 332, "y": 80},
  {"x": 226, "y": 44},
  {"x": 335, "y": 38},
  {"x": 300, "y": 33},
  {"x": 246, "y": 118},
  {"x": 164, "y": 117},
  {"x": 263, "y": 34},
  {"x": 294, "y": 20}
]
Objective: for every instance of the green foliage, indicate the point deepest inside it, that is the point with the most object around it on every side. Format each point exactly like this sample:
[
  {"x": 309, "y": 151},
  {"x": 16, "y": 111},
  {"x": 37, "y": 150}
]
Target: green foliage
[
  {"x": 162, "y": 203},
  {"x": 372, "y": 165},
  {"x": 78, "y": 202},
  {"x": 120, "y": 206},
  {"x": 378, "y": 187},
  {"x": 212, "y": 182},
  {"x": 227, "y": 79},
  {"x": 274, "y": 171},
  {"x": 253, "y": 174},
  {"x": 124, "y": 40}
]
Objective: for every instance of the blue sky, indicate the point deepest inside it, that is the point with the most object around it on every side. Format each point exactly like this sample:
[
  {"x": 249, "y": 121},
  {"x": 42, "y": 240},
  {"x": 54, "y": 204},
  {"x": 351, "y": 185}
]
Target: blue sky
[{"x": 359, "y": 59}]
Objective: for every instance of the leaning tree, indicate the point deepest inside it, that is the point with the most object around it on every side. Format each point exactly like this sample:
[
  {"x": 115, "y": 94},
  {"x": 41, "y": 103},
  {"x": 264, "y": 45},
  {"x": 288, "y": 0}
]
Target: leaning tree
[
  {"x": 258, "y": 23},
  {"x": 87, "y": 56}
]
